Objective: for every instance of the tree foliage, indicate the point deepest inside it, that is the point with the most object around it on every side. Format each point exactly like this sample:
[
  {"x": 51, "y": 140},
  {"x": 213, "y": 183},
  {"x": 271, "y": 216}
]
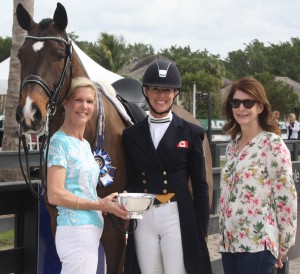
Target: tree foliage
[
  {"x": 203, "y": 69},
  {"x": 5, "y": 46},
  {"x": 281, "y": 96},
  {"x": 110, "y": 51},
  {"x": 205, "y": 83},
  {"x": 138, "y": 51},
  {"x": 175, "y": 52},
  {"x": 206, "y": 70},
  {"x": 254, "y": 59},
  {"x": 83, "y": 45},
  {"x": 264, "y": 62},
  {"x": 281, "y": 59},
  {"x": 285, "y": 59}
]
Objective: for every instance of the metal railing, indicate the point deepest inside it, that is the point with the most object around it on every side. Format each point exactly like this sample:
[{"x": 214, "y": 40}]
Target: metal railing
[
  {"x": 218, "y": 150},
  {"x": 16, "y": 199}
]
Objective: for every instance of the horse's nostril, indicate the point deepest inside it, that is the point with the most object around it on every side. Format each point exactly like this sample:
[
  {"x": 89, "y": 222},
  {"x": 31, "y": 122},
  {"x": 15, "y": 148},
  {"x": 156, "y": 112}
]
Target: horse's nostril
[{"x": 38, "y": 115}]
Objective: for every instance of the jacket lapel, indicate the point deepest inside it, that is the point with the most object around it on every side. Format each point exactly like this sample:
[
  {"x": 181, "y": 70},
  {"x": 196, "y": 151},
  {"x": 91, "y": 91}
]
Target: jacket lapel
[
  {"x": 171, "y": 138},
  {"x": 144, "y": 141}
]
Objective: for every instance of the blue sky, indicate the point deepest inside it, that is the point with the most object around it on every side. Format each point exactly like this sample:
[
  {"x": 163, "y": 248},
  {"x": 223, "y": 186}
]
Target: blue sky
[{"x": 220, "y": 26}]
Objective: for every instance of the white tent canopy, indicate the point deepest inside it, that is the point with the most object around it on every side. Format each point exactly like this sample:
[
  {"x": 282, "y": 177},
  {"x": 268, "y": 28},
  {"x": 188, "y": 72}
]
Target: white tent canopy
[
  {"x": 4, "y": 70},
  {"x": 95, "y": 71}
]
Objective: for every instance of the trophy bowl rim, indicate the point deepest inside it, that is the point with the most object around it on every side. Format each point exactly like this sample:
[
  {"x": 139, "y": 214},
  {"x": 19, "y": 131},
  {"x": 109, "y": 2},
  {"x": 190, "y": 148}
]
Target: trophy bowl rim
[
  {"x": 137, "y": 195},
  {"x": 135, "y": 210}
]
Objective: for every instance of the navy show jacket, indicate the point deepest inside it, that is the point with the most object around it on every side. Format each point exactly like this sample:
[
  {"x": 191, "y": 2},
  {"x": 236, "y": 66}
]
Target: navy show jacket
[{"x": 178, "y": 158}]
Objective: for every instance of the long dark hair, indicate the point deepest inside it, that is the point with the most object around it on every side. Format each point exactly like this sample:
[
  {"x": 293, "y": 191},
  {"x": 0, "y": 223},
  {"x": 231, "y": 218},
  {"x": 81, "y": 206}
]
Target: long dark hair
[{"x": 256, "y": 90}]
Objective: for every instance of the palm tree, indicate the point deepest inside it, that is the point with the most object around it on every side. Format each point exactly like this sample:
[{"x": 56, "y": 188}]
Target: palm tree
[
  {"x": 110, "y": 52},
  {"x": 10, "y": 134}
]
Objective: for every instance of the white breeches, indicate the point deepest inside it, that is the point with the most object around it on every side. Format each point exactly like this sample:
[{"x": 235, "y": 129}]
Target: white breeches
[{"x": 158, "y": 241}]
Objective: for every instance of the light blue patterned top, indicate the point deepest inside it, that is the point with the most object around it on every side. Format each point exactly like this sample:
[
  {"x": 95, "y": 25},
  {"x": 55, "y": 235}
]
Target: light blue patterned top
[{"x": 81, "y": 177}]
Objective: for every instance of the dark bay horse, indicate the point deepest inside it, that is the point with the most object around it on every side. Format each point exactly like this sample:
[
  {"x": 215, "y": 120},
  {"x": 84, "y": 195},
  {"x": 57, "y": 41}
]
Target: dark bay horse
[{"x": 48, "y": 63}]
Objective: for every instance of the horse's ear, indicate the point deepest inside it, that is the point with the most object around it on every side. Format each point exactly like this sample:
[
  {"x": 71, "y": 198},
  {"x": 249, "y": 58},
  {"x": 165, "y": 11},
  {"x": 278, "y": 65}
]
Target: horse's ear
[
  {"x": 60, "y": 17},
  {"x": 24, "y": 19}
]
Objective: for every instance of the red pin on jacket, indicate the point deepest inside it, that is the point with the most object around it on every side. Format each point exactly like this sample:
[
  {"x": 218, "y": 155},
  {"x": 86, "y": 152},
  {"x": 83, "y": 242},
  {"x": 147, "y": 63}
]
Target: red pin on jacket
[{"x": 183, "y": 144}]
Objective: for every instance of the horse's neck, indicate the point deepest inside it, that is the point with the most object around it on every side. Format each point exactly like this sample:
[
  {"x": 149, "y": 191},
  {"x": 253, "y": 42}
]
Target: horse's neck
[
  {"x": 56, "y": 121},
  {"x": 78, "y": 67},
  {"x": 90, "y": 130}
]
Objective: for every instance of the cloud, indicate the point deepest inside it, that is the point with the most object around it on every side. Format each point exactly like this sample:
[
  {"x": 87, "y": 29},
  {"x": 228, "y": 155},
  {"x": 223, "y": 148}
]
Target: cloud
[{"x": 218, "y": 26}]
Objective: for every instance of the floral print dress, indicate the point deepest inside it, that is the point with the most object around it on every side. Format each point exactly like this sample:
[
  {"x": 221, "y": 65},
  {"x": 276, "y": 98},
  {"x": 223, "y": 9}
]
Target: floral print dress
[{"x": 258, "y": 201}]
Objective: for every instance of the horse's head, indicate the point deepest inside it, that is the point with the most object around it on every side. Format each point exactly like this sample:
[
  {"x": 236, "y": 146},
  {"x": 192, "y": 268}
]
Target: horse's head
[{"x": 46, "y": 68}]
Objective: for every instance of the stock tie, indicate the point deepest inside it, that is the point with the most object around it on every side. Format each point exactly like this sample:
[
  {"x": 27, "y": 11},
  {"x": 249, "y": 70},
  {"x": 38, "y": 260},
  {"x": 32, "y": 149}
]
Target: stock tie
[{"x": 160, "y": 120}]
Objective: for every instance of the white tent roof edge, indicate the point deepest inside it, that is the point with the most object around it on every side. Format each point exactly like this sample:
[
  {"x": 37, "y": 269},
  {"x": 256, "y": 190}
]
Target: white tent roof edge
[
  {"x": 96, "y": 72},
  {"x": 4, "y": 71}
]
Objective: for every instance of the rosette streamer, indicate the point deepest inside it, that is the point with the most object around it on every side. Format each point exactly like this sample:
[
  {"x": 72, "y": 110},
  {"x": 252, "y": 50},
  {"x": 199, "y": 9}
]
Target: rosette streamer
[{"x": 107, "y": 171}]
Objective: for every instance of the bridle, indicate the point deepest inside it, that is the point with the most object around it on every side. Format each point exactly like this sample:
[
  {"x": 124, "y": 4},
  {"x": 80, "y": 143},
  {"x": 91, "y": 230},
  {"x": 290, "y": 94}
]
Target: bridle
[{"x": 53, "y": 96}]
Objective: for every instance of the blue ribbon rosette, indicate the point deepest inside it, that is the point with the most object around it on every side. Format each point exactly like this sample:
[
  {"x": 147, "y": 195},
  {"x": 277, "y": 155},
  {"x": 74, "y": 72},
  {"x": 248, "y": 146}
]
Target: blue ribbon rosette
[{"x": 107, "y": 171}]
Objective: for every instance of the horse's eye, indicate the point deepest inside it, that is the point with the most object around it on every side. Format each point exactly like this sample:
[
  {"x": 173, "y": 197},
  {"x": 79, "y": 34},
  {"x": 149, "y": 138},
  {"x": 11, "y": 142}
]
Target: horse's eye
[{"x": 60, "y": 57}]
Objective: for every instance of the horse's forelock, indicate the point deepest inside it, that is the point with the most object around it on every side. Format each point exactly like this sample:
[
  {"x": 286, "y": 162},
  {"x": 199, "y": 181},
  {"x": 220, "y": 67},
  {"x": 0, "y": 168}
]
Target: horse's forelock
[{"x": 44, "y": 24}]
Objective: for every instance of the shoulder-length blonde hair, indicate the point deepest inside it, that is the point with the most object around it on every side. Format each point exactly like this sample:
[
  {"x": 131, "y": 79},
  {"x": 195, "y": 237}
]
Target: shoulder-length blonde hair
[
  {"x": 256, "y": 90},
  {"x": 79, "y": 82}
]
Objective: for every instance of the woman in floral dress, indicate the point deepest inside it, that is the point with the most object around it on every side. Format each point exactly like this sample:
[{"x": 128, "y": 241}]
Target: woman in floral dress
[{"x": 258, "y": 201}]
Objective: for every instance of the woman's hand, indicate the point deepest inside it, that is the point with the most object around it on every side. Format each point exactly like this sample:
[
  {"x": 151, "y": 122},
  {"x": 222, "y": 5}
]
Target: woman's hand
[
  {"x": 108, "y": 205},
  {"x": 279, "y": 263}
]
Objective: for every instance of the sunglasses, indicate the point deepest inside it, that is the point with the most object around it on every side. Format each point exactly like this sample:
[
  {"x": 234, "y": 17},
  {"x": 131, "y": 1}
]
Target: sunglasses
[{"x": 247, "y": 103}]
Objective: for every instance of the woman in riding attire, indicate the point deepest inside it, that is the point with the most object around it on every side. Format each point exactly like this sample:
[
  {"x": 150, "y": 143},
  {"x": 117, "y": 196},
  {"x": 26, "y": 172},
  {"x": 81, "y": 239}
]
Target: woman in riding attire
[{"x": 163, "y": 152}]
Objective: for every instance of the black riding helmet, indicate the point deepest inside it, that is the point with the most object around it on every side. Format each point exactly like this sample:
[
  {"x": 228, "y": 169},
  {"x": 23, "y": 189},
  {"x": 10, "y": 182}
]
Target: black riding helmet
[{"x": 161, "y": 74}]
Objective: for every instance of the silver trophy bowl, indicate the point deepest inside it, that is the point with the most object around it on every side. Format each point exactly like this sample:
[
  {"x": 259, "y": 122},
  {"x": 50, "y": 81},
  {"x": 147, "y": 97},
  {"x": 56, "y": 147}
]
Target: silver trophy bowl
[{"x": 136, "y": 203}]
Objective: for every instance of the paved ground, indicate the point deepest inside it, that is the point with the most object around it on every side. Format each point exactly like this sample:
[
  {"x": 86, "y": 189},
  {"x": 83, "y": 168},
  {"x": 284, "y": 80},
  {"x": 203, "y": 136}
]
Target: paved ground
[{"x": 294, "y": 265}]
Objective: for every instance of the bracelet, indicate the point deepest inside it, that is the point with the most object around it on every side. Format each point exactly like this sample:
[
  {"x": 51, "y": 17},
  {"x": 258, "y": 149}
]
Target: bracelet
[{"x": 77, "y": 203}]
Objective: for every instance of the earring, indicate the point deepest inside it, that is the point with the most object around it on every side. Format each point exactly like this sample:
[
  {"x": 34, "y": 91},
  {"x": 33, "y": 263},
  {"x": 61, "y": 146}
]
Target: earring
[{"x": 65, "y": 107}]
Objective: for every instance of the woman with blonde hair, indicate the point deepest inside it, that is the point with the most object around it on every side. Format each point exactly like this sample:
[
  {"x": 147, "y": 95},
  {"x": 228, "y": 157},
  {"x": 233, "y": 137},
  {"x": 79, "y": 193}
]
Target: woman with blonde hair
[
  {"x": 292, "y": 126},
  {"x": 276, "y": 116},
  {"x": 72, "y": 179}
]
